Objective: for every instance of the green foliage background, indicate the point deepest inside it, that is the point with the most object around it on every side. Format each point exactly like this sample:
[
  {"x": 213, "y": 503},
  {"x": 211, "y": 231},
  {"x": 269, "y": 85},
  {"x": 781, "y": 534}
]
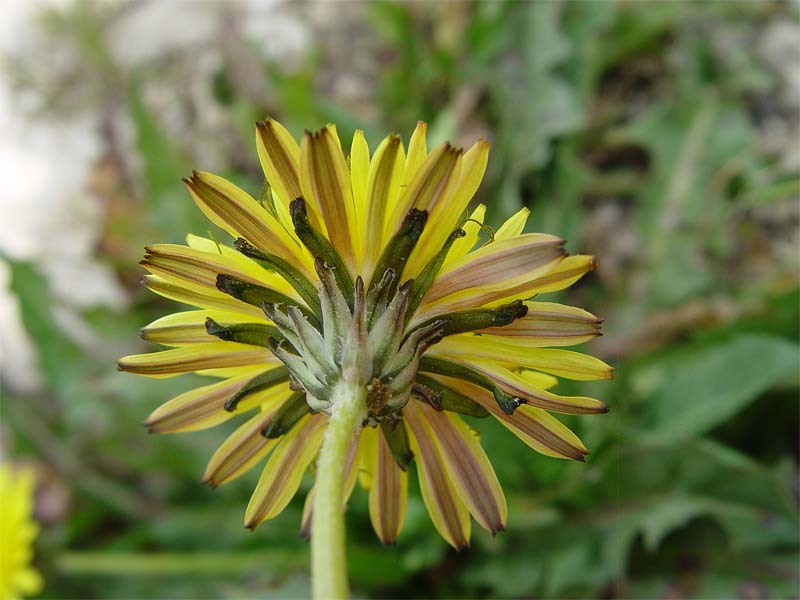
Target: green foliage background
[{"x": 628, "y": 129}]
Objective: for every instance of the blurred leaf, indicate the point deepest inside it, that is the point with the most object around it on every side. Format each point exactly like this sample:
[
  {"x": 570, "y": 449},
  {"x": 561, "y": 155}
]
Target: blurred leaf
[
  {"x": 702, "y": 388},
  {"x": 692, "y": 146},
  {"x": 58, "y": 357},
  {"x": 531, "y": 96},
  {"x": 588, "y": 24},
  {"x": 514, "y": 576},
  {"x": 664, "y": 516},
  {"x": 569, "y": 567}
]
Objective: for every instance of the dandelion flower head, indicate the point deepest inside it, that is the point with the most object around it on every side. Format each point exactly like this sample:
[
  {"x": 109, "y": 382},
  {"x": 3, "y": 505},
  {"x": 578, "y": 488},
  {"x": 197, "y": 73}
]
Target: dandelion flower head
[
  {"x": 17, "y": 532},
  {"x": 368, "y": 269}
]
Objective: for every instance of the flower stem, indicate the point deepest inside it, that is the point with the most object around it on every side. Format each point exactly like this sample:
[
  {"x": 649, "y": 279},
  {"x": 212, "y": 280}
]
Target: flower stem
[{"x": 328, "y": 553}]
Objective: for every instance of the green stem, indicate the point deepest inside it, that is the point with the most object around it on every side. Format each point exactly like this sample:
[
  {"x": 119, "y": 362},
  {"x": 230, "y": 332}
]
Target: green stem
[{"x": 328, "y": 553}]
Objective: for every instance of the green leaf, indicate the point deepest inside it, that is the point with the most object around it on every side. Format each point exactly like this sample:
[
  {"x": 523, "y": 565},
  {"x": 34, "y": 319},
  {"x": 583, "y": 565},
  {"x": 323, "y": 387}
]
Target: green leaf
[
  {"x": 58, "y": 356},
  {"x": 702, "y": 388},
  {"x": 530, "y": 95},
  {"x": 663, "y": 517},
  {"x": 516, "y": 576}
]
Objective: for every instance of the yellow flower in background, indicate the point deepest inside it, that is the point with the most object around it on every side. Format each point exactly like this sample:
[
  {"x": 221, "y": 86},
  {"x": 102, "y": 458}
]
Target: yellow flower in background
[
  {"x": 360, "y": 296},
  {"x": 17, "y": 532}
]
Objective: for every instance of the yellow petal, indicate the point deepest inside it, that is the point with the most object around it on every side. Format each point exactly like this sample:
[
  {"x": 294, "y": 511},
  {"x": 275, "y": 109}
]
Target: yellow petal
[
  {"x": 325, "y": 182},
  {"x": 448, "y": 512},
  {"x": 308, "y": 512},
  {"x": 359, "y": 175},
  {"x": 473, "y": 167},
  {"x": 239, "y": 262},
  {"x": 28, "y": 581},
  {"x": 284, "y": 470},
  {"x": 197, "y": 357},
  {"x": 241, "y": 450},
  {"x": 366, "y": 474},
  {"x": 514, "y": 225},
  {"x": 197, "y": 272},
  {"x": 388, "y": 492},
  {"x": 468, "y": 467},
  {"x": 563, "y": 275},
  {"x": 535, "y": 378},
  {"x": 234, "y": 210},
  {"x": 417, "y": 152},
  {"x": 560, "y": 274},
  {"x": 201, "y": 268},
  {"x": 536, "y": 427},
  {"x": 280, "y": 158},
  {"x": 564, "y": 363},
  {"x": 433, "y": 183},
  {"x": 451, "y": 206},
  {"x": 189, "y": 327},
  {"x": 548, "y": 324},
  {"x": 498, "y": 266},
  {"x": 383, "y": 189},
  {"x": 331, "y": 127},
  {"x": 472, "y": 228},
  {"x": 544, "y": 433},
  {"x": 198, "y": 296},
  {"x": 528, "y": 391},
  {"x": 561, "y": 363},
  {"x": 202, "y": 407}
]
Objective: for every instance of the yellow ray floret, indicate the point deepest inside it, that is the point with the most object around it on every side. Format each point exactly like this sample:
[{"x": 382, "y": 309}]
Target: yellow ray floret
[
  {"x": 18, "y": 530},
  {"x": 284, "y": 470}
]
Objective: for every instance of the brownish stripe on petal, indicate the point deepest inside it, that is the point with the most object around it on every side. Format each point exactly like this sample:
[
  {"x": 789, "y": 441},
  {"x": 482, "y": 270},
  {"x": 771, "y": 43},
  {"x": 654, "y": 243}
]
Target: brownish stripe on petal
[
  {"x": 468, "y": 468},
  {"x": 179, "y": 328},
  {"x": 308, "y": 510},
  {"x": 198, "y": 297},
  {"x": 563, "y": 274},
  {"x": 568, "y": 272},
  {"x": 241, "y": 451},
  {"x": 527, "y": 423},
  {"x": 501, "y": 261},
  {"x": 432, "y": 184},
  {"x": 279, "y": 155},
  {"x": 197, "y": 266},
  {"x": 448, "y": 512},
  {"x": 325, "y": 181},
  {"x": 284, "y": 470},
  {"x": 383, "y": 185},
  {"x": 534, "y": 426},
  {"x": 549, "y": 324},
  {"x": 239, "y": 214},
  {"x": 450, "y": 206},
  {"x": 497, "y": 350},
  {"x": 198, "y": 357},
  {"x": 199, "y": 408},
  {"x": 517, "y": 386},
  {"x": 388, "y": 495}
]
